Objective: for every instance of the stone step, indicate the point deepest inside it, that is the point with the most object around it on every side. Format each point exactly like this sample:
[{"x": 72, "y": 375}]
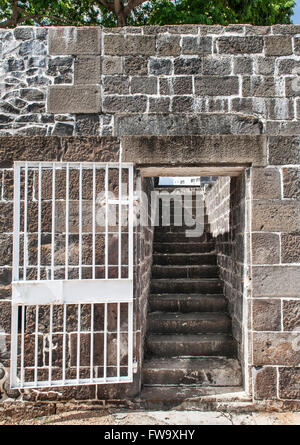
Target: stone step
[
  {"x": 175, "y": 345},
  {"x": 203, "y": 371},
  {"x": 204, "y": 271},
  {"x": 187, "y": 303},
  {"x": 194, "y": 397},
  {"x": 188, "y": 323},
  {"x": 184, "y": 259},
  {"x": 179, "y": 228},
  {"x": 176, "y": 247},
  {"x": 166, "y": 237},
  {"x": 186, "y": 286}
]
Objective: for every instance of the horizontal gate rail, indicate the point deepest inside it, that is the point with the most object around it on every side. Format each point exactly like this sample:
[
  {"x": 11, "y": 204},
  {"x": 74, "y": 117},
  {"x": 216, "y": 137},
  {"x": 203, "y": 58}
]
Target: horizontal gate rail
[{"x": 72, "y": 290}]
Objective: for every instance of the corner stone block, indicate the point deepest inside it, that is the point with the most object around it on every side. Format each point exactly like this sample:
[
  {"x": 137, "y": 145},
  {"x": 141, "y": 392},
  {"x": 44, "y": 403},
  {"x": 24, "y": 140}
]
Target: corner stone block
[
  {"x": 265, "y": 383},
  {"x": 74, "y": 99},
  {"x": 276, "y": 281},
  {"x": 266, "y": 183},
  {"x": 70, "y": 40},
  {"x": 265, "y": 248},
  {"x": 276, "y": 348}
]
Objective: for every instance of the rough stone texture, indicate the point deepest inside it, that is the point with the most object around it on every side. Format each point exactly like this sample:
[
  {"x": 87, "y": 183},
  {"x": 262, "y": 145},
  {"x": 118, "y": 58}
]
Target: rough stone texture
[
  {"x": 289, "y": 383},
  {"x": 276, "y": 281},
  {"x": 266, "y": 183},
  {"x": 74, "y": 99},
  {"x": 291, "y": 182},
  {"x": 184, "y": 149},
  {"x": 290, "y": 247},
  {"x": 265, "y": 248},
  {"x": 276, "y": 348},
  {"x": 276, "y": 216},
  {"x": 265, "y": 383},
  {"x": 291, "y": 315},
  {"x": 266, "y": 315},
  {"x": 87, "y": 70},
  {"x": 69, "y": 40}
]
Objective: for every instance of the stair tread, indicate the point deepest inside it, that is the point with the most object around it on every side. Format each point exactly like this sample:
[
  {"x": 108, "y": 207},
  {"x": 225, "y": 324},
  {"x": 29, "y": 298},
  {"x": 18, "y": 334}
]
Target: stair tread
[
  {"x": 188, "y": 280},
  {"x": 201, "y": 337},
  {"x": 192, "y": 363},
  {"x": 159, "y": 315},
  {"x": 185, "y": 266},
  {"x": 176, "y": 393},
  {"x": 186, "y": 296}
]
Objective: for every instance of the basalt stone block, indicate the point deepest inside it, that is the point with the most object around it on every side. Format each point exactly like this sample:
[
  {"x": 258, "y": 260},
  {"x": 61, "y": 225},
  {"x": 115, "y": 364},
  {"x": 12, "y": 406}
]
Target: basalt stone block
[
  {"x": 136, "y": 65},
  {"x": 265, "y": 248},
  {"x": 259, "y": 87},
  {"x": 276, "y": 216},
  {"x": 284, "y": 150},
  {"x": 216, "y": 66},
  {"x": 292, "y": 85},
  {"x": 19, "y": 148},
  {"x": 276, "y": 281},
  {"x": 289, "y": 387},
  {"x": 144, "y": 85},
  {"x": 70, "y": 40},
  {"x": 266, "y": 183},
  {"x": 265, "y": 66},
  {"x": 291, "y": 315},
  {"x": 266, "y": 315},
  {"x": 168, "y": 45},
  {"x": 102, "y": 149},
  {"x": 63, "y": 129},
  {"x": 276, "y": 348},
  {"x": 182, "y": 85},
  {"x": 187, "y": 65},
  {"x": 265, "y": 383},
  {"x": 115, "y": 85},
  {"x": 182, "y": 104},
  {"x": 32, "y": 94},
  {"x": 74, "y": 99},
  {"x": 112, "y": 65},
  {"x": 87, "y": 70},
  {"x": 33, "y": 47},
  {"x": 159, "y": 105},
  {"x": 23, "y": 33},
  {"x": 120, "y": 45},
  {"x": 160, "y": 66},
  {"x": 240, "y": 45},
  {"x": 5, "y": 317},
  {"x": 243, "y": 65},
  {"x": 278, "y": 46},
  {"x": 123, "y": 104},
  {"x": 216, "y": 86},
  {"x": 288, "y": 66},
  {"x": 291, "y": 182},
  {"x": 286, "y": 29},
  {"x": 87, "y": 124},
  {"x": 290, "y": 247},
  {"x": 196, "y": 45},
  {"x": 194, "y": 149}
]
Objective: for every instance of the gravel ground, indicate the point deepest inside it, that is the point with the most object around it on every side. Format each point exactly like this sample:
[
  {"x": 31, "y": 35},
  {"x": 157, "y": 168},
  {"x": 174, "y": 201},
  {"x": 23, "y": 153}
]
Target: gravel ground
[{"x": 163, "y": 418}]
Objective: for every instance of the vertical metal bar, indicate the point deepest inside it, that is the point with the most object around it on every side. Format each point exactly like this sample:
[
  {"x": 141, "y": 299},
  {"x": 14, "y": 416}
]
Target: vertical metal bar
[
  {"x": 118, "y": 343},
  {"x": 64, "y": 344},
  {"x": 39, "y": 222},
  {"x": 92, "y": 343},
  {"x": 106, "y": 221},
  {"x": 120, "y": 222},
  {"x": 15, "y": 276},
  {"x": 36, "y": 343},
  {"x": 105, "y": 344},
  {"x": 67, "y": 222},
  {"x": 130, "y": 338},
  {"x": 50, "y": 344},
  {"x": 25, "y": 222},
  {"x": 130, "y": 223},
  {"x": 94, "y": 222},
  {"x": 80, "y": 222},
  {"x": 78, "y": 344},
  {"x": 16, "y": 234},
  {"x": 53, "y": 221},
  {"x": 22, "y": 344}
]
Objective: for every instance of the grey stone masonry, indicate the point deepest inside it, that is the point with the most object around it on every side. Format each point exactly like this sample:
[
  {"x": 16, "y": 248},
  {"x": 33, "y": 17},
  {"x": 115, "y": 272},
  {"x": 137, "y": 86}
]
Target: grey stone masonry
[{"x": 51, "y": 76}]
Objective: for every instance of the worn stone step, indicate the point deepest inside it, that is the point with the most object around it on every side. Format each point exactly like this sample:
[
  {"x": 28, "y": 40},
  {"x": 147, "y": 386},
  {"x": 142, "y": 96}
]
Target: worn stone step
[
  {"x": 203, "y": 371},
  {"x": 187, "y": 302},
  {"x": 188, "y": 285},
  {"x": 176, "y": 247},
  {"x": 203, "y": 271},
  {"x": 174, "y": 345},
  {"x": 195, "y": 397},
  {"x": 185, "y": 323},
  {"x": 184, "y": 259},
  {"x": 181, "y": 237},
  {"x": 180, "y": 229}
]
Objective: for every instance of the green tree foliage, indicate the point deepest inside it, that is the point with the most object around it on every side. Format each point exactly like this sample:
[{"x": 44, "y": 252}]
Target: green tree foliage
[{"x": 143, "y": 12}]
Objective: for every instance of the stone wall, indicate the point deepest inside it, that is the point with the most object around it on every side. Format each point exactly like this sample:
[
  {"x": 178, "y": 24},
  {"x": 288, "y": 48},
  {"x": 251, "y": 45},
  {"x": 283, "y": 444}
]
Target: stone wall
[
  {"x": 150, "y": 80},
  {"x": 225, "y": 204}
]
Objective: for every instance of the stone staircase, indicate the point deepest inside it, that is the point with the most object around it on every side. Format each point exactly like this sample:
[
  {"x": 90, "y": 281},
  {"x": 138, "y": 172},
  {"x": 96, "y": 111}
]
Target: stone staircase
[{"x": 189, "y": 340}]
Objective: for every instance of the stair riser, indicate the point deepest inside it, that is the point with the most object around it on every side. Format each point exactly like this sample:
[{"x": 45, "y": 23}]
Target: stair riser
[
  {"x": 173, "y": 287},
  {"x": 188, "y": 326},
  {"x": 208, "y": 377},
  {"x": 184, "y": 272},
  {"x": 184, "y": 306},
  {"x": 179, "y": 229},
  {"x": 179, "y": 260},
  {"x": 183, "y": 247},
  {"x": 163, "y": 237},
  {"x": 172, "y": 349}
]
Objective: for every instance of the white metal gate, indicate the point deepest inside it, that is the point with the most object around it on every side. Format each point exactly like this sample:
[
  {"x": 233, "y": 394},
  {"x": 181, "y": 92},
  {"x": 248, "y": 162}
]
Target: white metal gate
[{"x": 72, "y": 290}]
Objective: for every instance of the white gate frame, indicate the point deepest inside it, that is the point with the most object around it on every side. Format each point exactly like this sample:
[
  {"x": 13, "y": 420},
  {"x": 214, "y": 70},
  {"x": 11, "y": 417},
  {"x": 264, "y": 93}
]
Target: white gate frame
[{"x": 80, "y": 291}]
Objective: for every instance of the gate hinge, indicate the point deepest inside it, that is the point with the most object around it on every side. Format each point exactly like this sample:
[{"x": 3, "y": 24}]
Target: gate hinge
[{"x": 134, "y": 366}]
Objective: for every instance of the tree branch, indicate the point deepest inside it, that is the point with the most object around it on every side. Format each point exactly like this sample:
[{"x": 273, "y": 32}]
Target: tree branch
[{"x": 107, "y": 5}]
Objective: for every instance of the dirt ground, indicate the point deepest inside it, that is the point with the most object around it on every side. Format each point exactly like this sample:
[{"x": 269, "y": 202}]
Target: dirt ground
[{"x": 106, "y": 417}]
